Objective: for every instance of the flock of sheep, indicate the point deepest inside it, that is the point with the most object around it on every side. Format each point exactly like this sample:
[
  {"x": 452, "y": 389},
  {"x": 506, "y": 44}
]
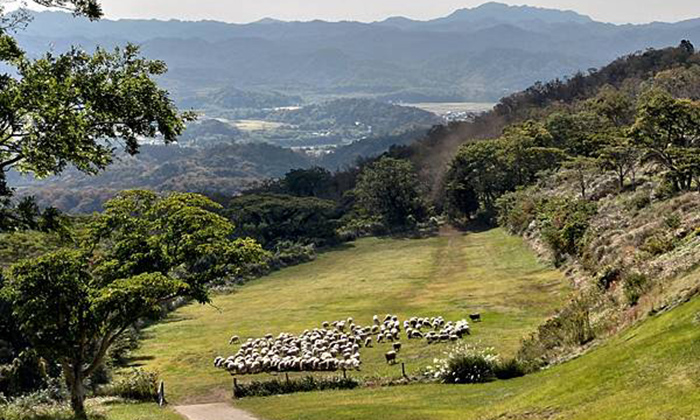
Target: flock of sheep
[{"x": 336, "y": 345}]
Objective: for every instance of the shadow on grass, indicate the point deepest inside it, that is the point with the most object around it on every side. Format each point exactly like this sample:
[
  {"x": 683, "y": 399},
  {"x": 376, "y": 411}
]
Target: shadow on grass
[
  {"x": 474, "y": 226},
  {"x": 138, "y": 361}
]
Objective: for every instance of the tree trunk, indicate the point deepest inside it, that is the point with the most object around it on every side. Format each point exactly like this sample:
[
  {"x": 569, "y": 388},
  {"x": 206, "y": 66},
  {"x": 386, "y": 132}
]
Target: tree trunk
[{"x": 74, "y": 381}]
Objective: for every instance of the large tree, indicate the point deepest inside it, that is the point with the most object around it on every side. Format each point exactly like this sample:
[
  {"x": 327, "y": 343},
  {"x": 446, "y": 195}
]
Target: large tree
[
  {"x": 143, "y": 251},
  {"x": 388, "y": 189},
  {"x": 668, "y": 131},
  {"x": 75, "y": 109}
]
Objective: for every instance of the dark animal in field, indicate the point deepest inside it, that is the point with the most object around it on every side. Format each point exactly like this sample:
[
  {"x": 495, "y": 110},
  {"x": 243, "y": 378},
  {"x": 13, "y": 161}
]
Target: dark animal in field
[
  {"x": 397, "y": 347},
  {"x": 390, "y": 357},
  {"x": 475, "y": 317}
]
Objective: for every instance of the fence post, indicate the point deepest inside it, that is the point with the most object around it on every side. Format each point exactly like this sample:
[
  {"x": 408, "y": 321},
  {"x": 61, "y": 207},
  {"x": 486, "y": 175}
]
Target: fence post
[
  {"x": 161, "y": 394},
  {"x": 403, "y": 370},
  {"x": 286, "y": 375},
  {"x": 345, "y": 374},
  {"x": 235, "y": 387}
]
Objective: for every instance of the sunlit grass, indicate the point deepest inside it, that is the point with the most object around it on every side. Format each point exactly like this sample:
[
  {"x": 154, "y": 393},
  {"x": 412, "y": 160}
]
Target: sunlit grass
[
  {"x": 649, "y": 372},
  {"x": 489, "y": 272}
]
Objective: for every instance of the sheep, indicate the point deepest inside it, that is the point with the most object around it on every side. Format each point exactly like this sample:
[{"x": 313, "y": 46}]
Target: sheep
[
  {"x": 397, "y": 347},
  {"x": 325, "y": 324},
  {"x": 375, "y": 319},
  {"x": 234, "y": 340},
  {"x": 368, "y": 342},
  {"x": 390, "y": 357},
  {"x": 476, "y": 317}
]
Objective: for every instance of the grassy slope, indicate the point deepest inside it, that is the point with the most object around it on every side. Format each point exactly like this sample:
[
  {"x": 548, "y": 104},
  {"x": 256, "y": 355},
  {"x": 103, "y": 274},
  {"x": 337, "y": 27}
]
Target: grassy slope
[
  {"x": 452, "y": 275},
  {"x": 651, "y": 371},
  {"x": 138, "y": 412}
]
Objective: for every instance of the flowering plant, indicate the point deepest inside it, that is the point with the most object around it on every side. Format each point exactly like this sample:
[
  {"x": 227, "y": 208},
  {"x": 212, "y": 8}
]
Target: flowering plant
[{"x": 465, "y": 364}]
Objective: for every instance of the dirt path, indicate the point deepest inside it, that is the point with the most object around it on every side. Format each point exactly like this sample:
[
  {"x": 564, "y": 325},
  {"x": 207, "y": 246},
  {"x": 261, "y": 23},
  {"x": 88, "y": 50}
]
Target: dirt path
[{"x": 218, "y": 411}]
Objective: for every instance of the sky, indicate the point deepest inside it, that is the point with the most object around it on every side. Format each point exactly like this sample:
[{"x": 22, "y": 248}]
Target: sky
[{"x": 616, "y": 11}]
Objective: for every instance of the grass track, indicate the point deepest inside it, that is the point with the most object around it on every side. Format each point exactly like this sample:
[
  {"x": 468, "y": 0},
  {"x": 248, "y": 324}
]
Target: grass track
[{"x": 451, "y": 275}]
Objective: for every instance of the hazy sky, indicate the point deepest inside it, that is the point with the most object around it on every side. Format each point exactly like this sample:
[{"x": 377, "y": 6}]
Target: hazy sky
[{"x": 618, "y": 11}]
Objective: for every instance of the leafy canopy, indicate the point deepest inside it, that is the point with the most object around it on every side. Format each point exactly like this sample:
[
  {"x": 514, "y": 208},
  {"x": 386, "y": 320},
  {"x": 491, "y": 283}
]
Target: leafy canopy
[
  {"x": 144, "y": 250},
  {"x": 388, "y": 189}
]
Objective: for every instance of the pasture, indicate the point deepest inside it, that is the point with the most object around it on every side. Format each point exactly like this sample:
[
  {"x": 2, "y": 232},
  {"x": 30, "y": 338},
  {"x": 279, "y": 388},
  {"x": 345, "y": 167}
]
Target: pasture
[
  {"x": 649, "y": 372},
  {"x": 451, "y": 275}
]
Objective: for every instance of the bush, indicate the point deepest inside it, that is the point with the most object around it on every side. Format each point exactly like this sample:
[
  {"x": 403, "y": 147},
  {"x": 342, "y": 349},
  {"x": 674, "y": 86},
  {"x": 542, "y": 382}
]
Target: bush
[
  {"x": 288, "y": 253},
  {"x": 465, "y": 364},
  {"x": 509, "y": 369},
  {"x": 673, "y": 221},
  {"x": 38, "y": 405},
  {"x": 570, "y": 328},
  {"x": 516, "y": 210},
  {"x": 305, "y": 384},
  {"x": 639, "y": 201},
  {"x": 636, "y": 285},
  {"x": 608, "y": 276},
  {"x": 564, "y": 223},
  {"x": 658, "y": 244},
  {"x": 138, "y": 385}
]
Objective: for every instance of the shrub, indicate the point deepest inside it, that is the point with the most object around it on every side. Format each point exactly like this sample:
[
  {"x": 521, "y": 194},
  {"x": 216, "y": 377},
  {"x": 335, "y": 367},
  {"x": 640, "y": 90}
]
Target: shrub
[
  {"x": 608, "y": 276},
  {"x": 138, "y": 385},
  {"x": 564, "y": 223},
  {"x": 38, "y": 405},
  {"x": 657, "y": 244},
  {"x": 639, "y": 201},
  {"x": 636, "y": 285},
  {"x": 516, "y": 210},
  {"x": 288, "y": 253},
  {"x": 465, "y": 364},
  {"x": 673, "y": 221},
  {"x": 509, "y": 369},
  {"x": 569, "y": 328},
  {"x": 305, "y": 384}
]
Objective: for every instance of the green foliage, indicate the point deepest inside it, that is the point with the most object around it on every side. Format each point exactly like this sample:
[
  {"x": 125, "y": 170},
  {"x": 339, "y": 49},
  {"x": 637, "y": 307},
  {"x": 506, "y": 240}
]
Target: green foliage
[
  {"x": 621, "y": 157},
  {"x": 483, "y": 171},
  {"x": 571, "y": 327},
  {"x": 281, "y": 386},
  {"x": 639, "y": 200},
  {"x": 636, "y": 285},
  {"x": 143, "y": 251},
  {"x": 658, "y": 244},
  {"x": 312, "y": 182},
  {"x": 388, "y": 189},
  {"x": 40, "y": 405},
  {"x": 665, "y": 129},
  {"x": 274, "y": 218},
  {"x": 564, "y": 223},
  {"x": 672, "y": 221},
  {"x": 465, "y": 364},
  {"x": 517, "y": 210},
  {"x": 63, "y": 107},
  {"x": 139, "y": 385},
  {"x": 509, "y": 369}
]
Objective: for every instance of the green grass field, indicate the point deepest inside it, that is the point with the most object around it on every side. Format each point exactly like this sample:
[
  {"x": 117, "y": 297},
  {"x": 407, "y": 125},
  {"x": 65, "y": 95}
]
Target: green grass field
[
  {"x": 451, "y": 275},
  {"x": 649, "y": 372},
  {"x": 138, "y": 412}
]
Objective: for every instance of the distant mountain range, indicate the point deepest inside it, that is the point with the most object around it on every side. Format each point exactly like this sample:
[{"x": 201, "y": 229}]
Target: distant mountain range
[{"x": 477, "y": 54}]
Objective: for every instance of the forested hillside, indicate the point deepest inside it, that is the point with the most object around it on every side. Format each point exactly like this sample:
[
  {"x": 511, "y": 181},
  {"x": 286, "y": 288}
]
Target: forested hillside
[{"x": 478, "y": 54}]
